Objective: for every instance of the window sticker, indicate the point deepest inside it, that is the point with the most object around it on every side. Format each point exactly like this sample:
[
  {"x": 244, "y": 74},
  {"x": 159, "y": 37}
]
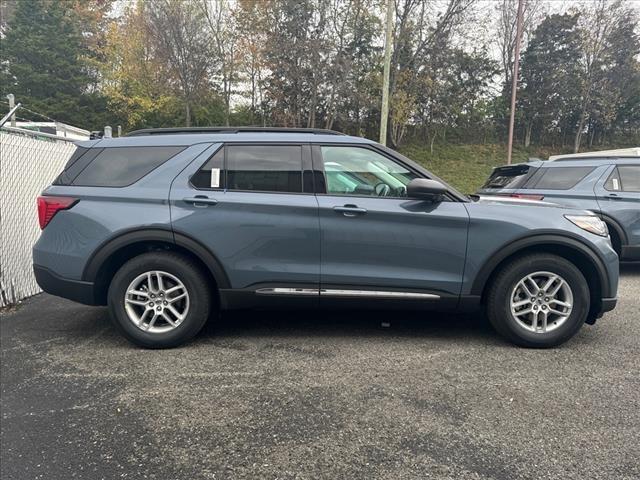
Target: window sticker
[
  {"x": 215, "y": 177},
  {"x": 616, "y": 184}
]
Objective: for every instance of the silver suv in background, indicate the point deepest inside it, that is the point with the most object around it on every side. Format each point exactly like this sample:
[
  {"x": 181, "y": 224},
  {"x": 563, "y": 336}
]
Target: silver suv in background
[{"x": 606, "y": 185}]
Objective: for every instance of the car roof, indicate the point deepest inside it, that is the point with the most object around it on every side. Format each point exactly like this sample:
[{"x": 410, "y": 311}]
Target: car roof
[
  {"x": 190, "y": 138},
  {"x": 592, "y": 161},
  {"x": 576, "y": 162},
  {"x": 619, "y": 152}
]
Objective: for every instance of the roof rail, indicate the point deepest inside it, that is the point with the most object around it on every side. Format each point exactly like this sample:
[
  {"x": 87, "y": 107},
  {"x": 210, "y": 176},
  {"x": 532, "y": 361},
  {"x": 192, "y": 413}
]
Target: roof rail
[
  {"x": 197, "y": 130},
  {"x": 617, "y": 153},
  {"x": 598, "y": 157}
]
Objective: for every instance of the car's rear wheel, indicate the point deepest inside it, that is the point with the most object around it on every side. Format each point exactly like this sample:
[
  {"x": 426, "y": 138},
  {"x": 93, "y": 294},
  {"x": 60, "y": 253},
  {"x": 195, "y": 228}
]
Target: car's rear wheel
[
  {"x": 540, "y": 300},
  {"x": 159, "y": 299}
]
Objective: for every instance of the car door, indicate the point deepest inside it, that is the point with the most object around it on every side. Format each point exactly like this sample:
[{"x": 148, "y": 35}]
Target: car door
[
  {"x": 375, "y": 240},
  {"x": 247, "y": 205},
  {"x": 618, "y": 194}
]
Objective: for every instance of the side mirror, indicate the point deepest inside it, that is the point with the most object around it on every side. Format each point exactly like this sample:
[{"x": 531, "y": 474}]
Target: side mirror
[{"x": 424, "y": 189}]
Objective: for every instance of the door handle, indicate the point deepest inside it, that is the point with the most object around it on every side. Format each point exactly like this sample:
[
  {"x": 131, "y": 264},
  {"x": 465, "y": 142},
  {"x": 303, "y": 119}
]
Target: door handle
[
  {"x": 350, "y": 210},
  {"x": 614, "y": 196},
  {"x": 200, "y": 201}
]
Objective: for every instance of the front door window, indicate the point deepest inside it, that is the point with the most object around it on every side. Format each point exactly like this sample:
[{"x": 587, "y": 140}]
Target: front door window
[{"x": 360, "y": 171}]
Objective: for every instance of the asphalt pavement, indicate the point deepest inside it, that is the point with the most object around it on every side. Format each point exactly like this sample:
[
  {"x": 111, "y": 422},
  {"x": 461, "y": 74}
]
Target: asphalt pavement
[{"x": 306, "y": 395}]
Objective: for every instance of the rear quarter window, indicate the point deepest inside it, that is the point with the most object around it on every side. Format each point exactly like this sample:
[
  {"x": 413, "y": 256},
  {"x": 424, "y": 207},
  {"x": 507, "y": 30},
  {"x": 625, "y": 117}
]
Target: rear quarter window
[
  {"x": 561, "y": 178},
  {"x": 122, "y": 166}
]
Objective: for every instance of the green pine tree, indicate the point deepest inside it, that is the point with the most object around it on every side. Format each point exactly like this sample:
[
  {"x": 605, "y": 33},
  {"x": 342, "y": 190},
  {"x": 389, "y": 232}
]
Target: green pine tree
[{"x": 43, "y": 55}]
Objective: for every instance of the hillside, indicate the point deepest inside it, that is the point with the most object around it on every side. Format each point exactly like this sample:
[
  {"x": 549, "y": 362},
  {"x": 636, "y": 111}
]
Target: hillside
[{"x": 466, "y": 167}]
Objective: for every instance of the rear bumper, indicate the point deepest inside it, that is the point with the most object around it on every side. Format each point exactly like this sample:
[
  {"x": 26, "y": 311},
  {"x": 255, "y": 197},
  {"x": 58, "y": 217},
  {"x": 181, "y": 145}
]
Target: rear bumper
[
  {"x": 76, "y": 290},
  {"x": 630, "y": 253}
]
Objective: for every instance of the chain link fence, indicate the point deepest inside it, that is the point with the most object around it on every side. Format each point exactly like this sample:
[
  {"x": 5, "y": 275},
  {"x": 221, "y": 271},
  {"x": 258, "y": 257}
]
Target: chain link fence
[{"x": 29, "y": 162}]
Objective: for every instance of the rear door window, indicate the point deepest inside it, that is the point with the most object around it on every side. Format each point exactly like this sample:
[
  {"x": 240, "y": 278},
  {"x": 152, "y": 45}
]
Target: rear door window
[
  {"x": 264, "y": 168},
  {"x": 513, "y": 176},
  {"x": 630, "y": 177},
  {"x": 561, "y": 178},
  {"x": 122, "y": 166}
]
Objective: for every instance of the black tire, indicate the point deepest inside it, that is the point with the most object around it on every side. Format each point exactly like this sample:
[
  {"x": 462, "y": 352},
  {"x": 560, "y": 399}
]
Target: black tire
[
  {"x": 499, "y": 298},
  {"x": 188, "y": 272}
]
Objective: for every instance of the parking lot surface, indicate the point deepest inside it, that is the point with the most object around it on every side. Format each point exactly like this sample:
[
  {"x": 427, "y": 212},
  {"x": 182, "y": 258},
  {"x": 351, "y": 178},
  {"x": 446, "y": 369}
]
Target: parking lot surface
[{"x": 275, "y": 395}]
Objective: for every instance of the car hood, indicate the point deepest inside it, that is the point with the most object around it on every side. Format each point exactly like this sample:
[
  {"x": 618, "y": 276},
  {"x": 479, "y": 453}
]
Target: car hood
[
  {"x": 503, "y": 200},
  {"x": 513, "y": 200}
]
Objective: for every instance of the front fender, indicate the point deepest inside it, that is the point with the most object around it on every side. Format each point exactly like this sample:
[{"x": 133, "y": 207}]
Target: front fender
[{"x": 605, "y": 264}]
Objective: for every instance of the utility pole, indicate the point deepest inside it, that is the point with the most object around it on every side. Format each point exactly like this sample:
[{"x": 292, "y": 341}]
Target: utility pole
[
  {"x": 514, "y": 84},
  {"x": 384, "y": 113}
]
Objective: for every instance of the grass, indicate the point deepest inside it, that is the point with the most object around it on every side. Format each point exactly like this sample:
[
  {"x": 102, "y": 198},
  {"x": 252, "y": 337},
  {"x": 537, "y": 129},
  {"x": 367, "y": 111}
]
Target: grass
[{"x": 466, "y": 167}]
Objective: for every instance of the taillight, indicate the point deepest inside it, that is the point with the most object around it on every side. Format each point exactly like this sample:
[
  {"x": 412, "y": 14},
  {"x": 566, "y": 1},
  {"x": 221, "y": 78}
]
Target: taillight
[{"x": 49, "y": 206}]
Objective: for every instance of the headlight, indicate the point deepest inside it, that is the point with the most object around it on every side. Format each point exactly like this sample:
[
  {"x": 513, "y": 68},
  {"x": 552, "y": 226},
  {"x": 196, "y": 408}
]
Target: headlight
[{"x": 590, "y": 223}]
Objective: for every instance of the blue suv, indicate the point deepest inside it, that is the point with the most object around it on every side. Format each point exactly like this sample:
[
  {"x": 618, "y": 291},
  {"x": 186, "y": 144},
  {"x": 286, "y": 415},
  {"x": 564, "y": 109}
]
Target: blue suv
[
  {"x": 169, "y": 226},
  {"x": 608, "y": 186}
]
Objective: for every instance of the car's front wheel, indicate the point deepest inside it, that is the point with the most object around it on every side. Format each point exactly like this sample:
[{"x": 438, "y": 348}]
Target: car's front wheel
[
  {"x": 159, "y": 299},
  {"x": 539, "y": 300}
]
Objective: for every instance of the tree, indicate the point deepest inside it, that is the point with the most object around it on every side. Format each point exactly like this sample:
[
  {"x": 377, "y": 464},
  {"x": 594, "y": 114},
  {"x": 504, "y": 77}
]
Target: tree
[
  {"x": 506, "y": 32},
  {"x": 47, "y": 59},
  {"x": 550, "y": 75},
  {"x": 224, "y": 35},
  {"x": 184, "y": 41},
  {"x": 598, "y": 22},
  {"x": 253, "y": 35},
  {"x": 135, "y": 79},
  {"x": 615, "y": 77},
  {"x": 420, "y": 36}
]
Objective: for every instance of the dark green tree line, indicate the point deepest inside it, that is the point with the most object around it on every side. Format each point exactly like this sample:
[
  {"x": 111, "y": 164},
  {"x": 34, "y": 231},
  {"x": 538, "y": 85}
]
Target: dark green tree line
[{"x": 318, "y": 63}]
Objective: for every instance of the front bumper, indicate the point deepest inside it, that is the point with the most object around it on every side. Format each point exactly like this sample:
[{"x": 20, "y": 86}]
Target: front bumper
[
  {"x": 76, "y": 290},
  {"x": 608, "y": 304}
]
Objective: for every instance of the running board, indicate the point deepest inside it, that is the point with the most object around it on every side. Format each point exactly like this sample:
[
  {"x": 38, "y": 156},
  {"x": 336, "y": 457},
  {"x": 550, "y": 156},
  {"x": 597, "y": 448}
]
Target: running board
[{"x": 329, "y": 292}]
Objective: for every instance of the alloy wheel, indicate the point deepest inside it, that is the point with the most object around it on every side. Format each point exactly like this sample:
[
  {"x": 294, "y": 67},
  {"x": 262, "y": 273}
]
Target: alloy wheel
[
  {"x": 156, "y": 301},
  {"x": 541, "y": 302}
]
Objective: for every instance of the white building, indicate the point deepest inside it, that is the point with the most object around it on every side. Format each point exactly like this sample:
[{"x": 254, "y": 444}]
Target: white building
[{"x": 56, "y": 128}]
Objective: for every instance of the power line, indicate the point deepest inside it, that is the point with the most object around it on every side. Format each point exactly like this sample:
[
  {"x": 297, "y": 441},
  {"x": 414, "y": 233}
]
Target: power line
[{"x": 35, "y": 113}]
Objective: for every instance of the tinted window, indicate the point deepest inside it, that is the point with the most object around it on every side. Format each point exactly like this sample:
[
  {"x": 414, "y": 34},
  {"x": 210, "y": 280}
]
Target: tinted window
[
  {"x": 211, "y": 173},
  {"x": 76, "y": 155},
  {"x": 562, "y": 178},
  {"x": 122, "y": 166},
  {"x": 613, "y": 183},
  {"x": 359, "y": 171},
  {"x": 630, "y": 178},
  {"x": 78, "y": 161},
  {"x": 264, "y": 168},
  {"x": 508, "y": 177}
]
